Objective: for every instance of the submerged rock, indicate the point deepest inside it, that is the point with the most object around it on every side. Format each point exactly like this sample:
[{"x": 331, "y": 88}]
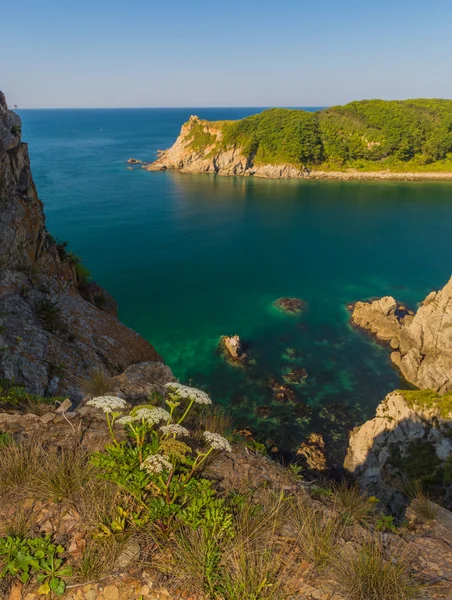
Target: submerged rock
[
  {"x": 281, "y": 392},
  {"x": 295, "y": 376},
  {"x": 291, "y": 306}
]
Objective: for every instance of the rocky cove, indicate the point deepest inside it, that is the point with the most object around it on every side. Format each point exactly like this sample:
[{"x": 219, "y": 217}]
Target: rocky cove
[{"x": 57, "y": 328}]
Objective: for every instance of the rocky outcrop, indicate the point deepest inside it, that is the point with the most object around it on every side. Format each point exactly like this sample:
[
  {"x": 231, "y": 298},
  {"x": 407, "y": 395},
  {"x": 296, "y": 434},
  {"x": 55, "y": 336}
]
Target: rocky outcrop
[
  {"x": 422, "y": 341},
  {"x": 55, "y": 326},
  {"x": 209, "y": 157},
  {"x": 231, "y": 348},
  {"x": 408, "y": 440}
]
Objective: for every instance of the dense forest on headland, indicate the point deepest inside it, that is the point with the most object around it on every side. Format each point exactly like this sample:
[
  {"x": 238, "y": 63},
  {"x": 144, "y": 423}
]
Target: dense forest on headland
[{"x": 406, "y": 135}]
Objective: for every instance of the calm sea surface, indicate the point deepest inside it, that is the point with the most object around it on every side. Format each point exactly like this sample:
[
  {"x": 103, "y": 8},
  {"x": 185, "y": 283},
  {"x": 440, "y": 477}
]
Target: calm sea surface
[{"x": 192, "y": 257}]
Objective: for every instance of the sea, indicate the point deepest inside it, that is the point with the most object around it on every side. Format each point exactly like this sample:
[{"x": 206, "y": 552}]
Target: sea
[{"x": 191, "y": 258}]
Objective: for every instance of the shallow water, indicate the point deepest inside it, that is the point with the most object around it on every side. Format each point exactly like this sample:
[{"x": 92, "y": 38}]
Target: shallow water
[{"x": 192, "y": 257}]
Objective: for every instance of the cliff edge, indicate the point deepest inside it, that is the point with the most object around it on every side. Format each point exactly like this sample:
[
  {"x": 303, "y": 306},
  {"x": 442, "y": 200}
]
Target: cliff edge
[{"x": 55, "y": 324}]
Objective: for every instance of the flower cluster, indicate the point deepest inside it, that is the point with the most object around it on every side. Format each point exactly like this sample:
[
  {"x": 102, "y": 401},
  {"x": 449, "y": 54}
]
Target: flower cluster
[
  {"x": 217, "y": 441},
  {"x": 156, "y": 464},
  {"x": 188, "y": 393},
  {"x": 108, "y": 404},
  {"x": 174, "y": 429},
  {"x": 152, "y": 416}
]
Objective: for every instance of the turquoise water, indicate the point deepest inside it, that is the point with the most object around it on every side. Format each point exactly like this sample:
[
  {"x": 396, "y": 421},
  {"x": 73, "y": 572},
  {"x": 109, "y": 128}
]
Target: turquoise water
[{"x": 192, "y": 257}]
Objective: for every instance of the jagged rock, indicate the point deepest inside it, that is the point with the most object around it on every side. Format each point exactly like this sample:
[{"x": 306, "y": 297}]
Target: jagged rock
[
  {"x": 423, "y": 340},
  {"x": 314, "y": 452},
  {"x": 55, "y": 327},
  {"x": 377, "y": 448},
  {"x": 231, "y": 348},
  {"x": 379, "y": 317}
]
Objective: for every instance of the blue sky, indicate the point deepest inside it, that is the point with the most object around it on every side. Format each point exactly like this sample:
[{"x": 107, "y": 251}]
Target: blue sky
[{"x": 99, "y": 53}]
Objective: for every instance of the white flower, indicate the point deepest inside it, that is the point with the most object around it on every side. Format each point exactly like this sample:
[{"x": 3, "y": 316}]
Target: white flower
[
  {"x": 108, "y": 403},
  {"x": 152, "y": 416},
  {"x": 175, "y": 429},
  {"x": 126, "y": 420},
  {"x": 217, "y": 441},
  {"x": 155, "y": 464},
  {"x": 189, "y": 393}
]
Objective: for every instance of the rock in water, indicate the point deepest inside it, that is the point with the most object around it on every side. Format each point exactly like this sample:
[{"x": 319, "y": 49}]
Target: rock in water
[
  {"x": 423, "y": 341},
  {"x": 56, "y": 327},
  {"x": 231, "y": 348},
  {"x": 291, "y": 306}
]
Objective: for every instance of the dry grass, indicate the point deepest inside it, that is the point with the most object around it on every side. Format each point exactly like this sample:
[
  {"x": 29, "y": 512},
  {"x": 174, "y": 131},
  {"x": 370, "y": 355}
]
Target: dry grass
[
  {"x": 97, "y": 503},
  {"x": 424, "y": 508},
  {"x": 99, "y": 383},
  {"x": 19, "y": 466},
  {"x": 63, "y": 474},
  {"x": 212, "y": 418},
  {"x": 20, "y": 523},
  {"x": 98, "y": 559},
  {"x": 318, "y": 532},
  {"x": 352, "y": 504},
  {"x": 371, "y": 572}
]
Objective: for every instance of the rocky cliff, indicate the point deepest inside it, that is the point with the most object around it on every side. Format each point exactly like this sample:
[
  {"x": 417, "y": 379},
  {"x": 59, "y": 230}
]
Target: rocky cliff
[
  {"x": 422, "y": 342},
  {"x": 408, "y": 441},
  {"x": 198, "y": 149},
  {"x": 55, "y": 325}
]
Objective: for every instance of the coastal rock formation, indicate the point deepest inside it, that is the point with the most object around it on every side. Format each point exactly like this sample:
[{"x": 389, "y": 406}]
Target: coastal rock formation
[
  {"x": 55, "y": 325},
  {"x": 188, "y": 156},
  {"x": 408, "y": 440},
  {"x": 231, "y": 348},
  {"x": 422, "y": 342}
]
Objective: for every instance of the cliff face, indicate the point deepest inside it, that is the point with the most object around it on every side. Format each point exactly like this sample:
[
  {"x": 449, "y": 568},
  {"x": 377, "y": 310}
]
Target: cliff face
[
  {"x": 407, "y": 441},
  {"x": 188, "y": 156},
  {"x": 422, "y": 342},
  {"x": 50, "y": 335}
]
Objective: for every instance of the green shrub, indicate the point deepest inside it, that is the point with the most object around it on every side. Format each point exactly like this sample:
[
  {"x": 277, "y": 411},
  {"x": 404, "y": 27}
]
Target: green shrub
[
  {"x": 49, "y": 313},
  {"x": 16, "y": 130},
  {"x": 15, "y": 396}
]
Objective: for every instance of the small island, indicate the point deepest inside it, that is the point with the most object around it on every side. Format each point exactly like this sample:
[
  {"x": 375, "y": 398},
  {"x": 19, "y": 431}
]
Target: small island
[{"x": 367, "y": 139}]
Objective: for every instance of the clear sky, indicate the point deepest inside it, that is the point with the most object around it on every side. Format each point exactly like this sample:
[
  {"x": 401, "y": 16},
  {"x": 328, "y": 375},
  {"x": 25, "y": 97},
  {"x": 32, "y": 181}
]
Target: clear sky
[{"x": 111, "y": 53}]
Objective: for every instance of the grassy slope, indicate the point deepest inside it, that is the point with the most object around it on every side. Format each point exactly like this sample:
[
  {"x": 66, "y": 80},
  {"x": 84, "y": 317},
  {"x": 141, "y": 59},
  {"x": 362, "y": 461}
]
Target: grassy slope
[{"x": 368, "y": 135}]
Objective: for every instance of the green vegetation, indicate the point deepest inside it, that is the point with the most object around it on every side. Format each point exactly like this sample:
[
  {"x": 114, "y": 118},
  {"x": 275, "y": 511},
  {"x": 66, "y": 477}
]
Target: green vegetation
[
  {"x": 14, "y": 396},
  {"x": 427, "y": 399},
  {"x": 49, "y": 314},
  {"x": 199, "y": 138},
  {"x": 39, "y": 557},
  {"x": 367, "y": 135},
  {"x": 16, "y": 130}
]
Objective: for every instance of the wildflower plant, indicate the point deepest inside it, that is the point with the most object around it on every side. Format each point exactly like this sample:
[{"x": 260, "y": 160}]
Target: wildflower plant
[
  {"x": 112, "y": 406},
  {"x": 160, "y": 466}
]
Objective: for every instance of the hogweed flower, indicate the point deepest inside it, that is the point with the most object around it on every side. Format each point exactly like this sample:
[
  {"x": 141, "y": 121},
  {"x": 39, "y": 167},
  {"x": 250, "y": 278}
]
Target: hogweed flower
[
  {"x": 217, "y": 441},
  {"x": 126, "y": 420},
  {"x": 156, "y": 464},
  {"x": 108, "y": 404},
  {"x": 188, "y": 393},
  {"x": 152, "y": 416},
  {"x": 174, "y": 429}
]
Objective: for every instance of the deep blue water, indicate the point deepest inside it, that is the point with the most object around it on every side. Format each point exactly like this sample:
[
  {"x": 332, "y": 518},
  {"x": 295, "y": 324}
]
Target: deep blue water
[{"x": 192, "y": 257}]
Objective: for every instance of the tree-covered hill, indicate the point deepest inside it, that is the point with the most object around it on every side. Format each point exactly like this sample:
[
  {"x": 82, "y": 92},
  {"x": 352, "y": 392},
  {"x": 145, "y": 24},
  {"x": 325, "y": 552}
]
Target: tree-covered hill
[{"x": 368, "y": 135}]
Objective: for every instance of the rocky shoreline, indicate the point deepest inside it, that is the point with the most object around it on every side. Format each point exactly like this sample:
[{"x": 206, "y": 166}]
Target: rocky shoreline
[{"x": 183, "y": 156}]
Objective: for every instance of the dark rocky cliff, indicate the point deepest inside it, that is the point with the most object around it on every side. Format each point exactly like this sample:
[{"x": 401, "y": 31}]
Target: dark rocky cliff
[{"x": 55, "y": 326}]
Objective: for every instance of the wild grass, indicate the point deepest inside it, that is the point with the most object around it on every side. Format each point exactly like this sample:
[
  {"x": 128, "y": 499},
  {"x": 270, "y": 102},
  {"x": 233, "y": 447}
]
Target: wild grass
[
  {"x": 352, "y": 504},
  {"x": 98, "y": 559},
  {"x": 371, "y": 572},
  {"x": 318, "y": 532},
  {"x": 63, "y": 473},
  {"x": 424, "y": 508},
  {"x": 99, "y": 383},
  {"x": 20, "y": 523},
  {"x": 49, "y": 313},
  {"x": 20, "y": 464}
]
